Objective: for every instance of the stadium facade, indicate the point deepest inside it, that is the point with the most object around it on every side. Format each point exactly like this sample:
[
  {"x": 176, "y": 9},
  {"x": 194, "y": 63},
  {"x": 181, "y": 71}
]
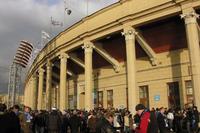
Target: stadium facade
[{"x": 134, "y": 51}]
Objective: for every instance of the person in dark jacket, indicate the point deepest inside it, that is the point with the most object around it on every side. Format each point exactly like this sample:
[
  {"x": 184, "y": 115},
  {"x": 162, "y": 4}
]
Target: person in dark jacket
[
  {"x": 65, "y": 122},
  {"x": 3, "y": 119},
  {"x": 185, "y": 122},
  {"x": 14, "y": 120},
  {"x": 75, "y": 123},
  {"x": 54, "y": 122},
  {"x": 162, "y": 123},
  {"x": 40, "y": 122},
  {"x": 196, "y": 118},
  {"x": 92, "y": 122},
  {"x": 104, "y": 125},
  {"x": 9, "y": 121},
  {"x": 83, "y": 126},
  {"x": 177, "y": 121}
]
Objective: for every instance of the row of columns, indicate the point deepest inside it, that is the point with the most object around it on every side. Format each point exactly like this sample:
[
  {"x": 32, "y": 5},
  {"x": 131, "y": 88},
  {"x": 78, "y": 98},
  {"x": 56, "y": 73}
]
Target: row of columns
[
  {"x": 89, "y": 85},
  {"x": 129, "y": 33},
  {"x": 63, "y": 102},
  {"x": 63, "y": 97}
]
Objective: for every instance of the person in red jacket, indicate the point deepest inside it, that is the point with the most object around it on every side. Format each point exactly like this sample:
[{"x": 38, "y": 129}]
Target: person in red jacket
[{"x": 144, "y": 118}]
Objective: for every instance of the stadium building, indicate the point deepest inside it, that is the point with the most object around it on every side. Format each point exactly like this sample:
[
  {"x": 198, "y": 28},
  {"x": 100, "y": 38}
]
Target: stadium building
[{"x": 133, "y": 51}]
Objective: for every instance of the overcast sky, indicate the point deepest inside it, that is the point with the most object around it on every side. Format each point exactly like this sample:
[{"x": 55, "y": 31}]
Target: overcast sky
[{"x": 25, "y": 19}]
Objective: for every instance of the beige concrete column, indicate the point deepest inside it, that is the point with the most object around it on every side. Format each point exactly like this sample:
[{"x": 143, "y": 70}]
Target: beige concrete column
[
  {"x": 89, "y": 102},
  {"x": 48, "y": 85},
  {"x": 63, "y": 81},
  {"x": 40, "y": 88},
  {"x": 129, "y": 34},
  {"x": 34, "y": 92},
  {"x": 193, "y": 45}
]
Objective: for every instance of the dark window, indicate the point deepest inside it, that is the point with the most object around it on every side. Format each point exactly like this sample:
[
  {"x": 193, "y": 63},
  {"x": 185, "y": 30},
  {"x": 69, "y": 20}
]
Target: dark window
[
  {"x": 100, "y": 99},
  {"x": 144, "y": 95}
]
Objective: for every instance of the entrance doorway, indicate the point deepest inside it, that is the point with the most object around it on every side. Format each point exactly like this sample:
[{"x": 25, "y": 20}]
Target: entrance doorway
[{"x": 173, "y": 95}]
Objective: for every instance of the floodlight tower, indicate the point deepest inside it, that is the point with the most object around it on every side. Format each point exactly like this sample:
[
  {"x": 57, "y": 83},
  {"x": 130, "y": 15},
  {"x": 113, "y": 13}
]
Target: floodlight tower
[{"x": 20, "y": 61}]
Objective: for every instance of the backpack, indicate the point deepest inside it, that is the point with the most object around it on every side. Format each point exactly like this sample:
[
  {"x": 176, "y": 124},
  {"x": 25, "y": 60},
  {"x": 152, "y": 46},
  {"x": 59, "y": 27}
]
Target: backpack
[{"x": 153, "y": 124}]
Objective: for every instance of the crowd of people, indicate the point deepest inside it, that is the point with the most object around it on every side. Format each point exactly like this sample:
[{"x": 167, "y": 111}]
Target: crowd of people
[
  {"x": 165, "y": 120},
  {"x": 99, "y": 120}
]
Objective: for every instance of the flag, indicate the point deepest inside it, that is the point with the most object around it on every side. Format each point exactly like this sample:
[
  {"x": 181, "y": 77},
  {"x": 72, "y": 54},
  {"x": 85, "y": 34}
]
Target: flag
[{"x": 45, "y": 35}]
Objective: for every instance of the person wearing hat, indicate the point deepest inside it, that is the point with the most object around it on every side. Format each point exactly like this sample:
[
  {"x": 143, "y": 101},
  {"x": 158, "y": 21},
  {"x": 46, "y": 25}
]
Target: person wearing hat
[{"x": 144, "y": 118}]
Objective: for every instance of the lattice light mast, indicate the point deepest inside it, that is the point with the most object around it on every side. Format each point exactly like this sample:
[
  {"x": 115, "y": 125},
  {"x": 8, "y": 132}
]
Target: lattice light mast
[{"x": 20, "y": 61}]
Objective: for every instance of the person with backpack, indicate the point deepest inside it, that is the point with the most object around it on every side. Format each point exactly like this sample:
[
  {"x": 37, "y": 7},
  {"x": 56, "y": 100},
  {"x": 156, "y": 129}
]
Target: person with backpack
[{"x": 147, "y": 120}]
